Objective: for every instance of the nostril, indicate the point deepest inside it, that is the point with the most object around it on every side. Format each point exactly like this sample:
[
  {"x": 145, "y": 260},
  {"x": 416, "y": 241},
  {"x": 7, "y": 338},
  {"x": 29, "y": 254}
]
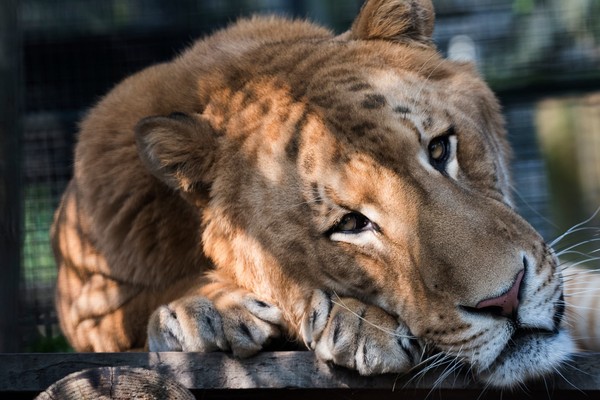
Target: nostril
[{"x": 505, "y": 305}]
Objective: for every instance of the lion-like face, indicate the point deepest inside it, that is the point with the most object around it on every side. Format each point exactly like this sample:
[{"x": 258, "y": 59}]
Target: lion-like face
[
  {"x": 393, "y": 189},
  {"x": 409, "y": 192},
  {"x": 375, "y": 169}
]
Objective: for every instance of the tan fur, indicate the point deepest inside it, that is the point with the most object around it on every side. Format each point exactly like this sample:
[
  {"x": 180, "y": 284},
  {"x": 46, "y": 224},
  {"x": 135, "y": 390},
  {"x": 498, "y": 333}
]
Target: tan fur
[{"x": 216, "y": 220}]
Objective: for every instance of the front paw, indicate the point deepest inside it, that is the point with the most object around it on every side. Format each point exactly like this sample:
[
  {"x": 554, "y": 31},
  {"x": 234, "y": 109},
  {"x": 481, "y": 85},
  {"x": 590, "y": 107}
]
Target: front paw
[
  {"x": 355, "y": 335},
  {"x": 238, "y": 322}
]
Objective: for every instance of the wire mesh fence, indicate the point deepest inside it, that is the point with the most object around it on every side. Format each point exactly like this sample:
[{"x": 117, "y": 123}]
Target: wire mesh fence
[{"x": 75, "y": 51}]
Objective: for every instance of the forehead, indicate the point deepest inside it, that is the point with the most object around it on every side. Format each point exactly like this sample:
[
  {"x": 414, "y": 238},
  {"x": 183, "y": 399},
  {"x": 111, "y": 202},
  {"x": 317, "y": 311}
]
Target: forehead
[
  {"x": 411, "y": 98},
  {"x": 381, "y": 112}
]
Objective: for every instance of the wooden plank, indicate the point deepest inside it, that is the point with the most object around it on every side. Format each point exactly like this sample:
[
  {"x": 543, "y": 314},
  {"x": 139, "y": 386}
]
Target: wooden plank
[{"x": 34, "y": 373}]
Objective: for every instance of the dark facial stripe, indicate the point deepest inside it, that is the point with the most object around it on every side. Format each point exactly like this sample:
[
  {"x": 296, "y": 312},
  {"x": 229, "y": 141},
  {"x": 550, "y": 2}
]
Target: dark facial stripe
[
  {"x": 293, "y": 146},
  {"x": 402, "y": 110},
  {"x": 374, "y": 101},
  {"x": 316, "y": 194},
  {"x": 357, "y": 87},
  {"x": 362, "y": 128}
]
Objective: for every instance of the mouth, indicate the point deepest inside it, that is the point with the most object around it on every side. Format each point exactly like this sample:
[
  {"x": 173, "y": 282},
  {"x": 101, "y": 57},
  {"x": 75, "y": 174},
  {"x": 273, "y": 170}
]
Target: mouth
[{"x": 530, "y": 354}]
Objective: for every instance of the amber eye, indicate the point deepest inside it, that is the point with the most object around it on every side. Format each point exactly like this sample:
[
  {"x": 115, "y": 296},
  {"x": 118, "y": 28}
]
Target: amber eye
[
  {"x": 439, "y": 152},
  {"x": 351, "y": 223}
]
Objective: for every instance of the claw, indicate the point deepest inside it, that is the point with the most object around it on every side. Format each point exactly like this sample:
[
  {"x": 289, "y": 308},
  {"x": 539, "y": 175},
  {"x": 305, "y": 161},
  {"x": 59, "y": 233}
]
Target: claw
[
  {"x": 243, "y": 324},
  {"x": 357, "y": 336}
]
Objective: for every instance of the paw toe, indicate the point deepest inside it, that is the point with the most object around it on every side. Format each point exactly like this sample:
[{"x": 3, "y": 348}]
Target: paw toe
[
  {"x": 316, "y": 318},
  {"x": 265, "y": 311},
  {"x": 248, "y": 337}
]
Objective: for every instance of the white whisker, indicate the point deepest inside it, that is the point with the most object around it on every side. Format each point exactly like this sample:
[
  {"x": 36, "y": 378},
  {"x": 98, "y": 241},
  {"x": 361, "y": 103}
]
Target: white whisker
[
  {"x": 340, "y": 303},
  {"x": 570, "y": 275},
  {"x": 561, "y": 252},
  {"x": 566, "y": 380},
  {"x": 574, "y": 228},
  {"x": 583, "y": 308},
  {"x": 566, "y": 265},
  {"x": 428, "y": 364},
  {"x": 584, "y": 290},
  {"x": 533, "y": 209}
]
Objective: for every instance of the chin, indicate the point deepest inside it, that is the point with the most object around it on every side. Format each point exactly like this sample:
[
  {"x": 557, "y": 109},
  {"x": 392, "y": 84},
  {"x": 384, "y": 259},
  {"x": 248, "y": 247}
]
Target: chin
[{"x": 528, "y": 355}]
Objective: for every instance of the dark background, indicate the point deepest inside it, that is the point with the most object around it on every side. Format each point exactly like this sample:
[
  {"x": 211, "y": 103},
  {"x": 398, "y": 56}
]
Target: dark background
[{"x": 58, "y": 57}]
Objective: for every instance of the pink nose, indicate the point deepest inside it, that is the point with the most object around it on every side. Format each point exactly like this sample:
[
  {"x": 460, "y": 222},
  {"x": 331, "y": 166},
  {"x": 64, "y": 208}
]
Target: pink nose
[{"x": 506, "y": 305}]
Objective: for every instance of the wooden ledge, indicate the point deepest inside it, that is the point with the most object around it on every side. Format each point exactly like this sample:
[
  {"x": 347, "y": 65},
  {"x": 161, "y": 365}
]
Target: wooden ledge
[{"x": 221, "y": 375}]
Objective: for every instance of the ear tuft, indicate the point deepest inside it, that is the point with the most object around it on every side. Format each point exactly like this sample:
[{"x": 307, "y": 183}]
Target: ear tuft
[
  {"x": 395, "y": 20},
  {"x": 180, "y": 150}
]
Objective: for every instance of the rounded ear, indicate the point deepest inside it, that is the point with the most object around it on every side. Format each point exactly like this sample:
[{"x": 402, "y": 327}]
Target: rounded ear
[
  {"x": 180, "y": 150},
  {"x": 395, "y": 20}
]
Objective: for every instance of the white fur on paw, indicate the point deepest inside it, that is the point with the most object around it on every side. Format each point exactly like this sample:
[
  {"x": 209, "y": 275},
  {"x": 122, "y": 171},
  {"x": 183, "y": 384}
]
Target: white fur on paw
[
  {"x": 399, "y": 354},
  {"x": 354, "y": 335},
  {"x": 239, "y": 322},
  {"x": 250, "y": 326},
  {"x": 189, "y": 325},
  {"x": 316, "y": 318},
  {"x": 262, "y": 310}
]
